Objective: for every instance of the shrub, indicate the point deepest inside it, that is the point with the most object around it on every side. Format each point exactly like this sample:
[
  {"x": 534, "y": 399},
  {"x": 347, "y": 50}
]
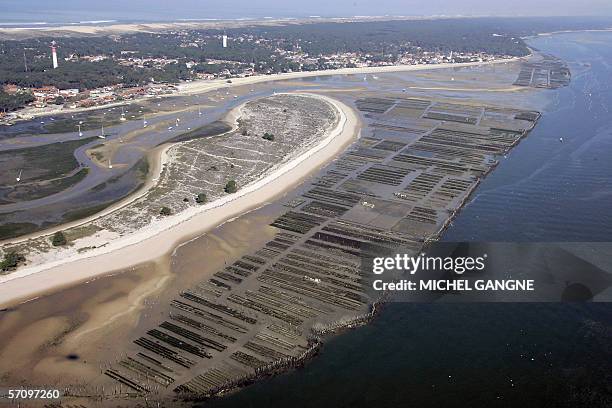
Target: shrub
[
  {"x": 11, "y": 261},
  {"x": 231, "y": 187},
  {"x": 201, "y": 198},
  {"x": 58, "y": 239},
  {"x": 165, "y": 211},
  {"x": 268, "y": 136}
]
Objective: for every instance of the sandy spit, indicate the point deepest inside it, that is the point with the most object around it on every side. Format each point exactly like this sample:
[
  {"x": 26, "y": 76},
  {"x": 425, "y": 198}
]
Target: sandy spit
[{"x": 161, "y": 237}]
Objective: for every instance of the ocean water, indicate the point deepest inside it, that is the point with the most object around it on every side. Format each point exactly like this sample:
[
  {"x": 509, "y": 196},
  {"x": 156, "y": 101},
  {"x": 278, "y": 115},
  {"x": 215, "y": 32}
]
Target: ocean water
[
  {"x": 494, "y": 355},
  {"x": 45, "y": 12},
  {"x": 39, "y": 12},
  {"x": 548, "y": 190}
]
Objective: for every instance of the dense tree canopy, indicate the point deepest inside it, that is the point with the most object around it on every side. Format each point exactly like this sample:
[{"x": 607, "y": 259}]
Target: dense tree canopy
[
  {"x": 259, "y": 46},
  {"x": 10, "y": 103}
]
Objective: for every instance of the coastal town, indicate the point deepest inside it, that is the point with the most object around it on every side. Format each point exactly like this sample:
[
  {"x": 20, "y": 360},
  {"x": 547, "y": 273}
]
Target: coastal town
[{"x": 49, "y": 98}]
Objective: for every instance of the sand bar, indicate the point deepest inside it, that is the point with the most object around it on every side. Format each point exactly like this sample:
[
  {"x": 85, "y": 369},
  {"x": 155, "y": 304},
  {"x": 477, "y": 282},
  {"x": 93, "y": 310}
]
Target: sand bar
[{"x": 162, "y": 237}]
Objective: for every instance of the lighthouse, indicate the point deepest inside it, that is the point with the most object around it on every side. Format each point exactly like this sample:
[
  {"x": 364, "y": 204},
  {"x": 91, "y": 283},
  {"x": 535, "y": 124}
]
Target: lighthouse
[
  {"x": 224, "y": 40},
  {"x": 54, "y": 55}
]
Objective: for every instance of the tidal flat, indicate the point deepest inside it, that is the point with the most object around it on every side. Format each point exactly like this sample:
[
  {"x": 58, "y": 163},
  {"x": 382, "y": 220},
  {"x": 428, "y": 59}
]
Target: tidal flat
[{"x": 416, "y": 164}]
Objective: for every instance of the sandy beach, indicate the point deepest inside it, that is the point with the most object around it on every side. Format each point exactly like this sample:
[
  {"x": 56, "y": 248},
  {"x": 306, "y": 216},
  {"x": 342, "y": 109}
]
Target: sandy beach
[
  {"x": 161, "y": 237},
  {"x": 204, "y": 85}
]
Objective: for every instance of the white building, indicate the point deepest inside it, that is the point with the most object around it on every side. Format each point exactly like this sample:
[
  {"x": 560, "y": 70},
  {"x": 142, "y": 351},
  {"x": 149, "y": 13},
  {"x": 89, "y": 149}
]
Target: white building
[{"x": 54, "y": 55}]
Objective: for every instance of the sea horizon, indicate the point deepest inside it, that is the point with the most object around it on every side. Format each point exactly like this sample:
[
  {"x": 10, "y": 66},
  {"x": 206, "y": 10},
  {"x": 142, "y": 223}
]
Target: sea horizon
[{"x": 33, "y": 23}]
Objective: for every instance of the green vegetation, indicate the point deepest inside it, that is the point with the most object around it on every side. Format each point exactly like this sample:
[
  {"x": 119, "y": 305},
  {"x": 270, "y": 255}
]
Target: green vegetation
[
  {"x": 58, "y": 239},
  {"x": 40, "y": 163},
  {"x": 142, "y": 168},
  {"x": 96, "y": 154},
  {"x": 268, "y": 136},
  {"x": 382, "y": 40},
  {"x": 212, "y": 129},
  {"x": 231, "y": 187},
  {"x": 82, "y": 231},
  {"x": 11, "y": 230},
  {"x": 16, "y": 229},
  {"x": 11, "y": 102},
  {"x": 85, "y": 212},
  {"x": 35, "y": 190},
  {"x": 11, "y": 261},
  {"x": 75, "y": 74},
  {"x": 201, "y": 198},
  {"x": 165, "y": 211},
  {"x": 385, "y": 39}
]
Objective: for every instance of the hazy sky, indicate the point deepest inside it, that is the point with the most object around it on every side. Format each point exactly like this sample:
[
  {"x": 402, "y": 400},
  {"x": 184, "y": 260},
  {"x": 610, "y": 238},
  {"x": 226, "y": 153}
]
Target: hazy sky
[{"x": 68, "y": 10}]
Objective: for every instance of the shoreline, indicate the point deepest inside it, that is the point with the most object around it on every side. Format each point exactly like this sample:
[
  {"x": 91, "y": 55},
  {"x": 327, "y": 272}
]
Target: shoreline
[
  {"x": 157, "y": 159},
  {"x": 28, "y": 29},
  {"x": 188, "y": 88},
  {"x": 315, "y": 342},
  {"x": 204, "y": 85},
  {"x": 586, "y": 30},
  {"x": 160, "y": 238}
]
